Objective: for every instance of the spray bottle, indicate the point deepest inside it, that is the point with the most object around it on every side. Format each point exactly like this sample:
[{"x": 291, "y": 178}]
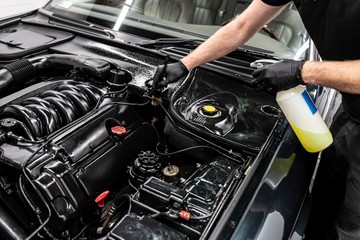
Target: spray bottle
[{"x": 304, "y": 118}]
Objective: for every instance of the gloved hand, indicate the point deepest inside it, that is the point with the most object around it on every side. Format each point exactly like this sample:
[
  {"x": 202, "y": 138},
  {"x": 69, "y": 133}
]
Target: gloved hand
[
  {"x": 279, "y": 76},
  {"x": 169, "y": 73}
]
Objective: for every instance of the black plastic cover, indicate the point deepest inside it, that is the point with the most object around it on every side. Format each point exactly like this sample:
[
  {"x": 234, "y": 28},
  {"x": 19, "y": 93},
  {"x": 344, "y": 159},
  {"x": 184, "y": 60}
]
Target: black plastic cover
[
  {"x": 25, "y": 39},
  {"x": 20, "y": 40},
  {"x": 245, "y": 117}
]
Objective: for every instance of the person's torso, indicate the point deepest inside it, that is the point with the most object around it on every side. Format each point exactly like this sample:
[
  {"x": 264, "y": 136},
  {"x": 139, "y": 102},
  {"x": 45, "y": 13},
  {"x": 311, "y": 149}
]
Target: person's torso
[{"x": 334, "y": 26}]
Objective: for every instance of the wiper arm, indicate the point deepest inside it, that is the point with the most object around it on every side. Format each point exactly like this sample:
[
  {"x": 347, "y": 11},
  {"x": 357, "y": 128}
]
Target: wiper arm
[
  {"x": 57, "y": 18},
  {"x": 160, "y": 42}
]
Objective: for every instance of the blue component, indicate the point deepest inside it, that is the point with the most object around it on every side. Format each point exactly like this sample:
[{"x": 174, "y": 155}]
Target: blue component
[{"x": 309, "y": 102}]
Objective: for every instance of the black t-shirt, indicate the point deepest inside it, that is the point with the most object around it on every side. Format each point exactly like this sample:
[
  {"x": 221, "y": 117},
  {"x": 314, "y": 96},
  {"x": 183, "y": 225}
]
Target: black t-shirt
[{"x": 334, "y": 26}]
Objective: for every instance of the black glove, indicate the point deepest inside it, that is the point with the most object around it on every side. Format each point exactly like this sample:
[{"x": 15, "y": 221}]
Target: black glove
[
  {"x": 169, "y": 73},
  {"x": 279, "y": 76}
]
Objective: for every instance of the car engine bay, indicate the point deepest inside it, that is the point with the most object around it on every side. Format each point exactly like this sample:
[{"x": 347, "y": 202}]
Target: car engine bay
[{"x": 88, "y": 152}]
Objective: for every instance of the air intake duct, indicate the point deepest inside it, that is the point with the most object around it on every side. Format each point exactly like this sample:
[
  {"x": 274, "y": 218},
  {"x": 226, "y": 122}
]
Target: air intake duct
[{"x": 19, "y": 72}]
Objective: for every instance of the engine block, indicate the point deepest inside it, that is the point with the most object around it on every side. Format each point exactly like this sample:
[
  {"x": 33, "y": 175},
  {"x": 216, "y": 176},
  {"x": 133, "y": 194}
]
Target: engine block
[{"x": 84, "y": 152}]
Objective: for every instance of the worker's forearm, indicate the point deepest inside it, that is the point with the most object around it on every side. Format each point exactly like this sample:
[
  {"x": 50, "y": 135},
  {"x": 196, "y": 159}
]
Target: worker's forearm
[
  {"x": 232, "y": 35},
  {"x": 221, "y": 43},
  {"x": 340, "y": 75}
]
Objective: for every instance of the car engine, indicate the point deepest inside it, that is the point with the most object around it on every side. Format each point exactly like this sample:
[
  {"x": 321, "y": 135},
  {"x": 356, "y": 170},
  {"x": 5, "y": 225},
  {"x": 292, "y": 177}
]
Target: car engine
[{"x": 90, "y": 151}]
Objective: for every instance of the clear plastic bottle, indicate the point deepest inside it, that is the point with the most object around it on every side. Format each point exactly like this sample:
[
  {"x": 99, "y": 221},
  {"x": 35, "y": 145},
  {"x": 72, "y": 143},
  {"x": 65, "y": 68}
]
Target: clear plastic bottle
[{"x": 304, "y": 118}]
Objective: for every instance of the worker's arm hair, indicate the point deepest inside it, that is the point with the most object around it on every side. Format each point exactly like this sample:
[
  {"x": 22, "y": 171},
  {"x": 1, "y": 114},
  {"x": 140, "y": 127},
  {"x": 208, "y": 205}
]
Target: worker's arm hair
[{"x": 340, "y": 75}]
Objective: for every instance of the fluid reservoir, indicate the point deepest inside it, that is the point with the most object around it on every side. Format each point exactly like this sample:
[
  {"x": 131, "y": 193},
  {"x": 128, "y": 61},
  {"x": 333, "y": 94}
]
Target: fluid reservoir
[{"x": 304, "y": 118}]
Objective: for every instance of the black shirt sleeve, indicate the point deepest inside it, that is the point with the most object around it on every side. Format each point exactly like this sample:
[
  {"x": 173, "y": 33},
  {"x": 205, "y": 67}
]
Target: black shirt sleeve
[{"x": 276, "y": 2}]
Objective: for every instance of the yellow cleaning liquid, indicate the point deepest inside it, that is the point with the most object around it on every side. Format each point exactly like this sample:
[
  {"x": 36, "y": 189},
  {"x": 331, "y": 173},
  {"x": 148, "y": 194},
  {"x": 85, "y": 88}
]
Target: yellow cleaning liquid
[
  {"x": 313, "y": 141},
  {"x": 304, "y": 118}
]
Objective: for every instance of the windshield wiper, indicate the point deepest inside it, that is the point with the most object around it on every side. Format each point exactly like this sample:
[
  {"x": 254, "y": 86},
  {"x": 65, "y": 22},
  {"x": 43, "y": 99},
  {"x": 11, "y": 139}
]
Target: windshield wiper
[
  {"x": 160, "y": 42},
  {"x": 58, "y": 20}
]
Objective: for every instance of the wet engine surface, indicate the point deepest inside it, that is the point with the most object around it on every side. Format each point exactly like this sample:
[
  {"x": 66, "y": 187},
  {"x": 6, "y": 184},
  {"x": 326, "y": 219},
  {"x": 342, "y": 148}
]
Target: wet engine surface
[{"x": 87, "y": 151}]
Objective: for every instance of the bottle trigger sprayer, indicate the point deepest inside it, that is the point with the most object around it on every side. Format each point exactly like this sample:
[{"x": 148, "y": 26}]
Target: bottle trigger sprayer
[{"x": 304, "y": 118}]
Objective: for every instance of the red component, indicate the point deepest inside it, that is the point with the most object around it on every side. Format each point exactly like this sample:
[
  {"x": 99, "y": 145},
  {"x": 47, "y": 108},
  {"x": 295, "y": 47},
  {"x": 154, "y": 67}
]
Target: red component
[
  {"x": 184, "y": 215},
  {"x": 101, "y": 198},
  {"x": 119, "y": 131}
]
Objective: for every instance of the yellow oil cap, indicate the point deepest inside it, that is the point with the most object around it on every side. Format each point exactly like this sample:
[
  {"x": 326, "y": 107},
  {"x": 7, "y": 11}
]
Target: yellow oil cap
[{"x": 209, "y": 109}]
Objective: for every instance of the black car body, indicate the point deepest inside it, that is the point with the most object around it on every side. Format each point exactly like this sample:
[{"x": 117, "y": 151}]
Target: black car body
[{"x": 90, "y": 151}]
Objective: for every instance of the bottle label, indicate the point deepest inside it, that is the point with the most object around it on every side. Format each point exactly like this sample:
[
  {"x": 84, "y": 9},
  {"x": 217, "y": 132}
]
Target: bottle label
[{"x": 309, "y": 102}]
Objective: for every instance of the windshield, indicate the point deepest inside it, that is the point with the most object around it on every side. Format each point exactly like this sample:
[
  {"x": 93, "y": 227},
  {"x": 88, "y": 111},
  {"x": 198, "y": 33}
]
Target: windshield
[{"x": 189, "y": 19}]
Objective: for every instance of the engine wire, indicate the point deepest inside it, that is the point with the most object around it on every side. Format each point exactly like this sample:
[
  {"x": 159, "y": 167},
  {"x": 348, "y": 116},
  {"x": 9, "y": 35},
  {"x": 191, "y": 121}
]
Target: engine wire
[
  {"x": 106, "y": 95},
  {"x": 178, "y": 151},
  {"x": 27, "y": 162},
  {"x": 82, "y": 230},
  {"x": 193, "y": 148},
  {"x": 201, "y": 217},
  {"x": 12, "y": 136}
]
